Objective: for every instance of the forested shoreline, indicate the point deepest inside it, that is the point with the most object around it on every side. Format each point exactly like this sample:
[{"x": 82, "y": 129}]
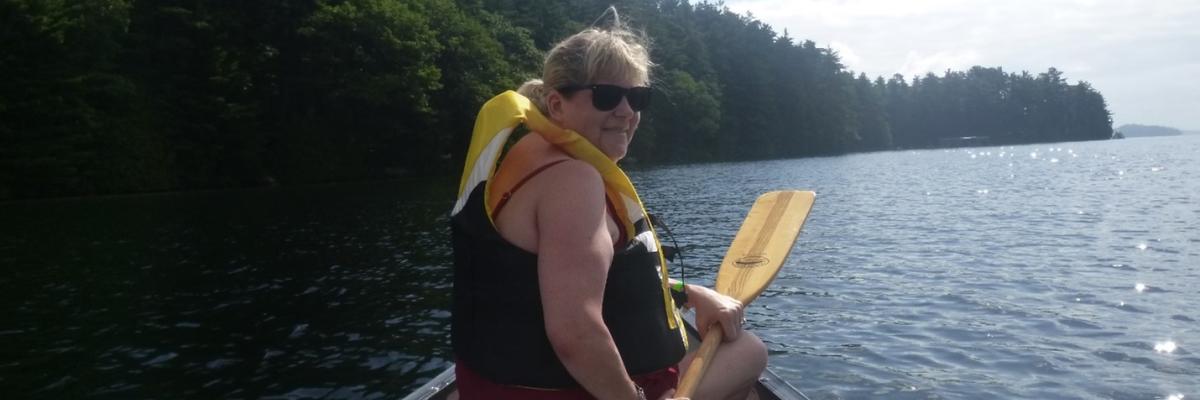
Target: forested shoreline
[{"x": 120, "y": 96}]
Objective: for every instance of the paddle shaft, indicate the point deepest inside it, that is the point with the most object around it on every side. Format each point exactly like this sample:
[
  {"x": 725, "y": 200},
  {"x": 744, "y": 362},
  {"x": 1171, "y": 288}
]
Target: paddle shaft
[{"x": 700, "y": 362}]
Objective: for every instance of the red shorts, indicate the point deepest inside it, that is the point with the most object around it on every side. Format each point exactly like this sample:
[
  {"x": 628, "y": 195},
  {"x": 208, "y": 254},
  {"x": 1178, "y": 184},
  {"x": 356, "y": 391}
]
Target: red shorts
[{"x": 471, "y": 386}]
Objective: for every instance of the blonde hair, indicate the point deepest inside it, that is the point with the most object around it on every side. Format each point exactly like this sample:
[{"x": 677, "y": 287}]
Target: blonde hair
[{"x": 593, "y": 54}]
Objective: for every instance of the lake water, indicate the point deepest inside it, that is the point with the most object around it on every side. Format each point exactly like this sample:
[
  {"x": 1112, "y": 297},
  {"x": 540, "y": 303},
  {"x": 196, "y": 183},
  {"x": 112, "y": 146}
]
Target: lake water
[{"x": 1059, "y": 271}]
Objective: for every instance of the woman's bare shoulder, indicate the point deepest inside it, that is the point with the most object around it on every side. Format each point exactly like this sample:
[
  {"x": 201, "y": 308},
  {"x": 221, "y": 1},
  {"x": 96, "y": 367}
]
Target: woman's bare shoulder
[{"x": 572, "y": 180}]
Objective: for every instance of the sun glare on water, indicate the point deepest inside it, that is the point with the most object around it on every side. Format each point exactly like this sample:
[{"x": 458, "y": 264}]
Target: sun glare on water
[{"x": 1165, "y": 347}]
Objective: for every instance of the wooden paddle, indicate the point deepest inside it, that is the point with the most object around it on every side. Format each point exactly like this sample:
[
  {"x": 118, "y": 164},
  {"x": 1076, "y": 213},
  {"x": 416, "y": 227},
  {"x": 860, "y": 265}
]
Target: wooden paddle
[{"x": 754, "y": 258}]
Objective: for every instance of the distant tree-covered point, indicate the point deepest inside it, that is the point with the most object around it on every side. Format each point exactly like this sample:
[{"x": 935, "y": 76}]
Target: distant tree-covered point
[
  {"x": 1137, "y": 130},
  {"x": 118, "y": 96}
]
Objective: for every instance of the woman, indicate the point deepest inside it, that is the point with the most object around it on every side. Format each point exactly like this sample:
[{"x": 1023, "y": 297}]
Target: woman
[{"x": 560, "y": 290}]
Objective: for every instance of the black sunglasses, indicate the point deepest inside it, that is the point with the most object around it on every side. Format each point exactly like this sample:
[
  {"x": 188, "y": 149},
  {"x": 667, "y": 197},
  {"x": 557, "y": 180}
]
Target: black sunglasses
[{"x": 607, "y": 97}]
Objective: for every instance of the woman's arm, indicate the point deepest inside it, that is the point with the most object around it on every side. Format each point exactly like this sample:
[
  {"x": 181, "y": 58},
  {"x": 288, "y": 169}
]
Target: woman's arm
[{"x": 574, "y": 254}]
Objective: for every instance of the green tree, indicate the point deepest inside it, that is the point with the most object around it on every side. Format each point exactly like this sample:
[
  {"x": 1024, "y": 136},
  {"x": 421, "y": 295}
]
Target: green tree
[
  {"x": 684, "y": 124},
  {"x": 68, "y": 120},
  {"x": 873, "y": 129}
]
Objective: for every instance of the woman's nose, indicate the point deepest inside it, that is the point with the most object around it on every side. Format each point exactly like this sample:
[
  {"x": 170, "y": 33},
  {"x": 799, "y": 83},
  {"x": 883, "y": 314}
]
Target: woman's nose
[{"x": 623, "y": 108}]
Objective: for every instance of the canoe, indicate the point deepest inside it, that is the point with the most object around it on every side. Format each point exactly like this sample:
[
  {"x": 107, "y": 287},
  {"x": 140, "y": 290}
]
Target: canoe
[{"x": 769, "y": 386}]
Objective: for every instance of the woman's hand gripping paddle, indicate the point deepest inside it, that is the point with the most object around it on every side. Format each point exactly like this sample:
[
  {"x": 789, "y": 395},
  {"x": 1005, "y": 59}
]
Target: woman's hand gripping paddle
[{"x": 754, "y": 258}]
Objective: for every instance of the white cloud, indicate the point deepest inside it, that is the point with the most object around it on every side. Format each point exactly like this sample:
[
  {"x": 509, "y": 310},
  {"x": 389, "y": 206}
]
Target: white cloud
[
  {"x": 849, "y": 57},
  {"x": 917, "y": 64}
]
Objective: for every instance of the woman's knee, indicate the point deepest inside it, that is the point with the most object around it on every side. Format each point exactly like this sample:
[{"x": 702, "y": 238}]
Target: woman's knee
[
  {"x": 746, "y": 361},
  {"x": 753, "y": 351},
  {"x": 747, "y": 353}
]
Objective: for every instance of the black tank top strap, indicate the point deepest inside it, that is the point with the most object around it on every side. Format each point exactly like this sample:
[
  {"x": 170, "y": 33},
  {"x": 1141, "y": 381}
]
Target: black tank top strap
[{"x": 508, "y": 195}]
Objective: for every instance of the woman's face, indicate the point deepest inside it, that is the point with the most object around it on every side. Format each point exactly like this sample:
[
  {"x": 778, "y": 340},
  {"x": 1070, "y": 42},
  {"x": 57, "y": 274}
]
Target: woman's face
[{"x": 610, "y": 131}]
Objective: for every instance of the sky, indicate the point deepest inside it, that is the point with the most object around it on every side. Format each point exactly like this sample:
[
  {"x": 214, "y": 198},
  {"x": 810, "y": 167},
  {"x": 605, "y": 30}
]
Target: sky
[{"x": 1143, "y": 56}]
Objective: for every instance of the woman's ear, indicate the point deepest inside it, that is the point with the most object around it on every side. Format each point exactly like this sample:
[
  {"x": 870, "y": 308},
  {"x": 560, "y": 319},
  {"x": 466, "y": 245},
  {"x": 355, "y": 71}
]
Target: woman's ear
[{"x": 554, "y": 105}]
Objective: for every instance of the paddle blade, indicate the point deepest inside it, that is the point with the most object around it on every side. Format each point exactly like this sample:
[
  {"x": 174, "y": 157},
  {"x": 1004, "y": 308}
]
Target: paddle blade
[{"x": 763, "y": 243}]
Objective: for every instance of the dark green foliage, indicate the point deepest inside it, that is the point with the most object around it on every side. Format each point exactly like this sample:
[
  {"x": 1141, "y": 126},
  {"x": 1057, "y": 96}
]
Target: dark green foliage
[
  {"x": 69, "y": 121},
  {"x": 113, "y": 96},
  {"x": 685, "y": 122}
]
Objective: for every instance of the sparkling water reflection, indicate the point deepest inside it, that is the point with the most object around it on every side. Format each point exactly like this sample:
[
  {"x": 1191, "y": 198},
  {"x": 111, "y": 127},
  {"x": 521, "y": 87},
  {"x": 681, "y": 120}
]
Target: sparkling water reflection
[
  {"x": 1000, "y": 272},
  {"x": 1052, "y": 271}
]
